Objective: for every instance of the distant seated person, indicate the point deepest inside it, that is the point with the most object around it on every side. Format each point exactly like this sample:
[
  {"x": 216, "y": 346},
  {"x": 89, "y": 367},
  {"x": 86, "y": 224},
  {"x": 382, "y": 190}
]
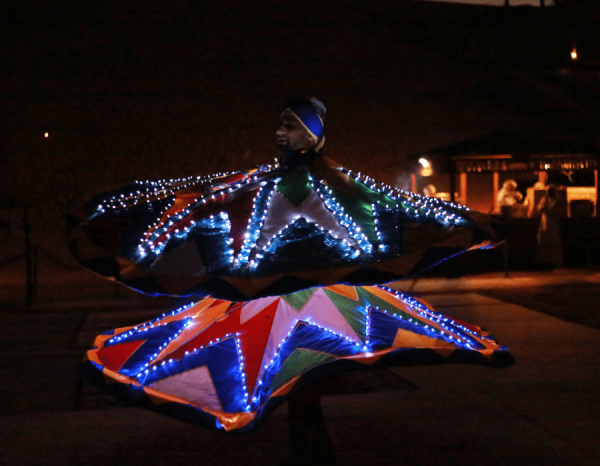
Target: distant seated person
[
  {"x": 508, "y": 197},
  {"x": 430, "y": 190},
  {"x": 542, "y": 182},
  {"x": 539, "y": 185},
  {"x": 552, "y": 207}
]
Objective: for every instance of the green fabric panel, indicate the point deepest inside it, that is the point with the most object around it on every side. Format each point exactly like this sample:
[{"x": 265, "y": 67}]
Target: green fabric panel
[
  {"x": 375, "y": 301},
  {"x": 299, "y": 362},
  {"x": 347, "y": 308},
  {"x": 372, "y": 196},
  {"x": 383, "y": 199},
  {"x": 295, "y": 186},
  {"x": 298, "y": 299},
  {"x": 360, "y": 210},
  {"x": 358, "y": 206}
]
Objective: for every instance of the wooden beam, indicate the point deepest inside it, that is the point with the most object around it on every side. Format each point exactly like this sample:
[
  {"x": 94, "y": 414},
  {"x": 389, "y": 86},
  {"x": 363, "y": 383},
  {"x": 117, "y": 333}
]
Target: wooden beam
[
  {"x": 596, "y": 186},
  {"x": 496, "y": 190}
]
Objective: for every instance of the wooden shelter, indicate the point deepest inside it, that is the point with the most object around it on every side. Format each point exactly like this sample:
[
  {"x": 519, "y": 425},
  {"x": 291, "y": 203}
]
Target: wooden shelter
[
  {"x": 476, "y": 169},
  {"x": 535, "y": 163}
]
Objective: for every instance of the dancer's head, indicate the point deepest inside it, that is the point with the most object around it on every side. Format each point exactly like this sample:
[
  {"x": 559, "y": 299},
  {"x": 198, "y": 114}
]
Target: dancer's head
[
  {"x": 302, "y": 124},
  {"x": 509, "y": 185}
]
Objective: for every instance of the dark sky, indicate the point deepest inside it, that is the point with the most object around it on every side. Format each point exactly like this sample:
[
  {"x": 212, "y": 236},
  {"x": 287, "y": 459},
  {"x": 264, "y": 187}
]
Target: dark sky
[
  {"x": 535, "y": 3},
  {"x": 140, "y": 89}
]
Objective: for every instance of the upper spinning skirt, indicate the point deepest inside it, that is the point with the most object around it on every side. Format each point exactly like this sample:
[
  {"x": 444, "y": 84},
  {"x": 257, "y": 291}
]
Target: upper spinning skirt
[{"x": 270, "y": 231}]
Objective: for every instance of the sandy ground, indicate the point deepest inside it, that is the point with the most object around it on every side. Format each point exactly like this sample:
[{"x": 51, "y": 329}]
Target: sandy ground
[{"x": 542, "y": 411}]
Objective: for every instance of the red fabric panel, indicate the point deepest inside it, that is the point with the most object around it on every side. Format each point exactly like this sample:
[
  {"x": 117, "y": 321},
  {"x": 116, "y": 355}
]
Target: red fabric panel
[
  {"x": 253, "y": 339},
  {"x": 113, "y": 357}
]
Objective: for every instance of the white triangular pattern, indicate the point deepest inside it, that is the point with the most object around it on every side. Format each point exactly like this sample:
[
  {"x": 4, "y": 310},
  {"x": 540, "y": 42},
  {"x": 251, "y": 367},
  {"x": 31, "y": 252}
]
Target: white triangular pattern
[
  {"x": 282, "y": 213},
  {"x": 319, "y": 310},
  {"x": 194, "y": 386},
  {"x": 251, "y": 308}
]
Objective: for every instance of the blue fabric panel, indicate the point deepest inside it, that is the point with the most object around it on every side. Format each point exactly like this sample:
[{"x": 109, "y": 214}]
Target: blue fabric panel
[
  {"x": 304, "y": 242},
  {"x": 310, "y": 337},
  {"x": 382, "y": 329},
  {"x": 155, "y": 338},
  {"x": 390, "y": 228},
  {"x": 223, "y": 364}
]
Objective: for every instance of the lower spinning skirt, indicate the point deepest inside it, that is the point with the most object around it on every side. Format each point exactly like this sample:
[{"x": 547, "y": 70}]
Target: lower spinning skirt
[{"x": 226, "y": 365}]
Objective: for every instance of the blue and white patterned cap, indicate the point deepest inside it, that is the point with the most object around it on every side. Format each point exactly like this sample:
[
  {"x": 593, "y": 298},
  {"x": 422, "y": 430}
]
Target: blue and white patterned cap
[{"x": 309, "y": 112}]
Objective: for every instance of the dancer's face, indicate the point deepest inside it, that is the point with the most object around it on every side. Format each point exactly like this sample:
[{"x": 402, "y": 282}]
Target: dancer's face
[{"x": 291, "y": 135}]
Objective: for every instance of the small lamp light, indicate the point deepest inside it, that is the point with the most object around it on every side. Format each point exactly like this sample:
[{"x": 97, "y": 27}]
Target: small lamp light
[{"x": 427, "y": 169}]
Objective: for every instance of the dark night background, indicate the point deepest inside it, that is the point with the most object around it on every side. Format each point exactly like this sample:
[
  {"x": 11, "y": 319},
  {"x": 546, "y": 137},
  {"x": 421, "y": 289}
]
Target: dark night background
[{"x": 148, "y": 89}]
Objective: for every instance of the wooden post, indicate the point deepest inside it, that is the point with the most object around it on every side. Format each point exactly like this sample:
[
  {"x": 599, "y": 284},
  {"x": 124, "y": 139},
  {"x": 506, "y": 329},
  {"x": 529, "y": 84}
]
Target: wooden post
[
  {"x": 505, "y": 256},
  {"x": 34, "y": 273},
  {"x": 596, "y": 186},
  {"x": 28, "y": 261},
  {"x": 452, "y": 172},
  {"x": 496, "y": 189},
  {"x": 463, "y": 188}
]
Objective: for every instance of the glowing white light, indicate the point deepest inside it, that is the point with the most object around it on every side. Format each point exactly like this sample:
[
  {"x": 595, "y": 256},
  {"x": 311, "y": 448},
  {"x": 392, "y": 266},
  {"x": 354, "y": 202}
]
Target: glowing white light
[{"x": 424, "y": 162}]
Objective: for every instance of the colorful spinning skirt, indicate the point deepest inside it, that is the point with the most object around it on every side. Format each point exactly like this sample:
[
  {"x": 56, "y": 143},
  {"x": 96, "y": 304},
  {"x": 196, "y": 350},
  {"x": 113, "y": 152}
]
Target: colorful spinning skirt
[
  {"x": 286, "y": 260},
  {"x": 226, "y": 365},
  {"x": 269, "y": 231}
]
